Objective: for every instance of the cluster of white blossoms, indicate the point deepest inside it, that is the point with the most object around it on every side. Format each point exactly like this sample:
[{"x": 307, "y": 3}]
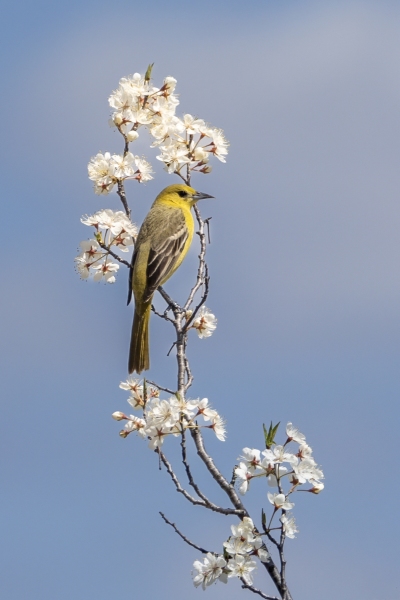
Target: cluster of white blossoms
[
  {"x": 188, "y": 142},
  {"x": 112, "y": 229},
  {"x": 105, "y": 170},
  {"x": 205, "y": 322},
  {"x": 161, "y": 418},
  {"x": 238, "y": 559},
  {"x": 301, "y": 469}
]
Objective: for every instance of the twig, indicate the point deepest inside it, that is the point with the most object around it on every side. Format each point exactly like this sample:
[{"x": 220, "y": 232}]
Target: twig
[
  {"x": 201, "y": 268},
  {"x": 185, "y": 539},
  {"x": 207, "y": 221},
  {"x": 170, "y": 350},
  {"x": 121, "y": 194},
  {"x": 171, "y": 303},
  {"x": 114, "y": 255},
  {"x": 181, "y": 490},
  {"x": 281, "y": 542},
  {"x": 163, "y": 389},
  {"x": 189, "y": 375},
  {"x": 246, "y": 586},
  {"x": 283, "y": 564},
  {"x": 216, "y": 474},
  {"x": 194, "y": 485},
  {"x": 161, "y": 315}
]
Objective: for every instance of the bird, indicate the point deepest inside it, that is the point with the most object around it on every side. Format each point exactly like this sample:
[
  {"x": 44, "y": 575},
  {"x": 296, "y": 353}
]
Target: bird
[{"x": 161, "y": 245}]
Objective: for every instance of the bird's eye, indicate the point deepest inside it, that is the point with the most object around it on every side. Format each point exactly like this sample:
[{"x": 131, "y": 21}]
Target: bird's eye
[{"x": 182, "y": 194}]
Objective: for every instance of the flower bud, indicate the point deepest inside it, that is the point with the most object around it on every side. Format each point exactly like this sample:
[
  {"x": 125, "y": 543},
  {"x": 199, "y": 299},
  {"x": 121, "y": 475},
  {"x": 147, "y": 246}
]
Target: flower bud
[
  {"x": 318, "y": 487},
  {"x": 123, "y": 433},
  {"x": 118, "y": 416},
  {"x": 132, "y": 135},
  {"x": 188, "y": 314}
]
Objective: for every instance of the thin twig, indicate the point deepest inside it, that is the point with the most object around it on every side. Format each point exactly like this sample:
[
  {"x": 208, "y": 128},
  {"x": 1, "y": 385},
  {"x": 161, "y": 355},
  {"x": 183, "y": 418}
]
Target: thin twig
[
  {"x": 181, "y": 490},
  {"x": 207, "y": 221},
  {"x": 114, "y": 255},
  {"x": 121, "y": 194},
  {"x": 171, "y": 303},
  {"x": 200, "y": 270},
  {"x": 185, "y": 539},
  {"x": 246, "y": 586},
  {"x": 194, "y": 485},
  {"x": 163, "y": 389},
  {"x": 161, "y": 315},
  {"x": 216, "y": 474}
]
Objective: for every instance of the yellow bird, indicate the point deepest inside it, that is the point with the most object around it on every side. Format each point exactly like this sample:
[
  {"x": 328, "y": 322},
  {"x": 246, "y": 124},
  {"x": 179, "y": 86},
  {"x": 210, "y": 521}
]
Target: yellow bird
[{"x": 162, "y": 244}]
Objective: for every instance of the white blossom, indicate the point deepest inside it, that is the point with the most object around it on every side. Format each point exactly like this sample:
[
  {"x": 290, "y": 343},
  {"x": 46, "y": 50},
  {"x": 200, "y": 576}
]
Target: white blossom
[
  {"x": 306, "y": 470},
  {"x": 305, "y": 451},
  {"x": 200, "y": 154},
  {"x": 169, "y": 84},
  {"x": 91, "y": 249},
  {"x": 83, "y": 264},
  {"x": 105, "y": 270},
  {"x": 237, "y": 545},
  {"x": 218, "y": 425},
  {"x": 123, "y": 165},
  {"x": 277, "y": 454},
  {"x": 244, "y": 529},
  {"x": 258, "y": 550},
  {"x": 241, "y": 566},
  {"x": 204, "y": 409},
  {"x": 163, "y": 413},
  {"x": 279, "y": 501},
  {"x": 101, "y": 172},
  {"x": 209, "y": 571},
  {"x": 251, "y": 458},
  {"x": 165, "y": 125},
  {"x": 174, "y": 155},
  {"x": 131, "y": 385},
  {"x": 136, "y": 424},
  {"x": 115, "y": 221},
  {"x": 192, "y": 125},
  {"x": 294, "y": 434},
  {"x": 220, "y": 144},
  {"x": 244, "y": 474},
  {"x": 272, "y": 480},
  {"x": 205, "y": 323},
  {"x": 187, "y": 408},
  {"x": 157, "y": 435},
  {"x": 289, "y": 525},
  {"x": 144, "y": 170}
]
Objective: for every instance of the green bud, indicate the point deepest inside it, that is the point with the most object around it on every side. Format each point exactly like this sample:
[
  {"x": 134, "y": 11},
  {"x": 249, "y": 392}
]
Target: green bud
[
  {"x": 147, "y": 76},
  {"x": 269, "y": 435}
]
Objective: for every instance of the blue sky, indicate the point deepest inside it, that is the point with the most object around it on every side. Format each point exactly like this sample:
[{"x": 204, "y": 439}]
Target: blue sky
[{"x": 304, "y": 282}]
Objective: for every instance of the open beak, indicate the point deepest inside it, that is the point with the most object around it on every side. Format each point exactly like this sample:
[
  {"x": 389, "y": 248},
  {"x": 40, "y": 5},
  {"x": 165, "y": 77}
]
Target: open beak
[{"x": 201, "y": 196}]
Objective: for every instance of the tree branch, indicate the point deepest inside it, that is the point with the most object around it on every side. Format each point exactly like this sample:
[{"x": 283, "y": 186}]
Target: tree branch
[
  {"x": 167, "y": 390},
  {"x": 196, "y": 488},
  {"x": 121, "y": 194},
  {"x": 216, "y": 474},
  {"x": 114, "y": 255},
  {"x": 185, "y": 539},
  {"x": 181, "y": 490},
  {"x": 246, "y": 586}
]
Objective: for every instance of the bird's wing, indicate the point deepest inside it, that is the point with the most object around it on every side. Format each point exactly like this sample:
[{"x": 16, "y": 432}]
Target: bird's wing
[
  {"x": 134, "y": 255},
  {"x": 166, "y": 248}
]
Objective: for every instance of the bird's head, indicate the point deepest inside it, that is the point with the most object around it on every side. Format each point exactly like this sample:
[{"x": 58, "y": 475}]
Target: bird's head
[{"x": 180, "y": 193}]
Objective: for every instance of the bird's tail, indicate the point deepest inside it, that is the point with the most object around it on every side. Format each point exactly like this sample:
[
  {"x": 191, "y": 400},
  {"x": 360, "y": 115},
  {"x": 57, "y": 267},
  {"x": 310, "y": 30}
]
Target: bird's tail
[{"x": 139, "y": 359}]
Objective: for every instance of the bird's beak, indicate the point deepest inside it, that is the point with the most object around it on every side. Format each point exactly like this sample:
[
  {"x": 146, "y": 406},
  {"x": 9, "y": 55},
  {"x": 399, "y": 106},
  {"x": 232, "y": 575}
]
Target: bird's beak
[{"x": 201, "y": 196}]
